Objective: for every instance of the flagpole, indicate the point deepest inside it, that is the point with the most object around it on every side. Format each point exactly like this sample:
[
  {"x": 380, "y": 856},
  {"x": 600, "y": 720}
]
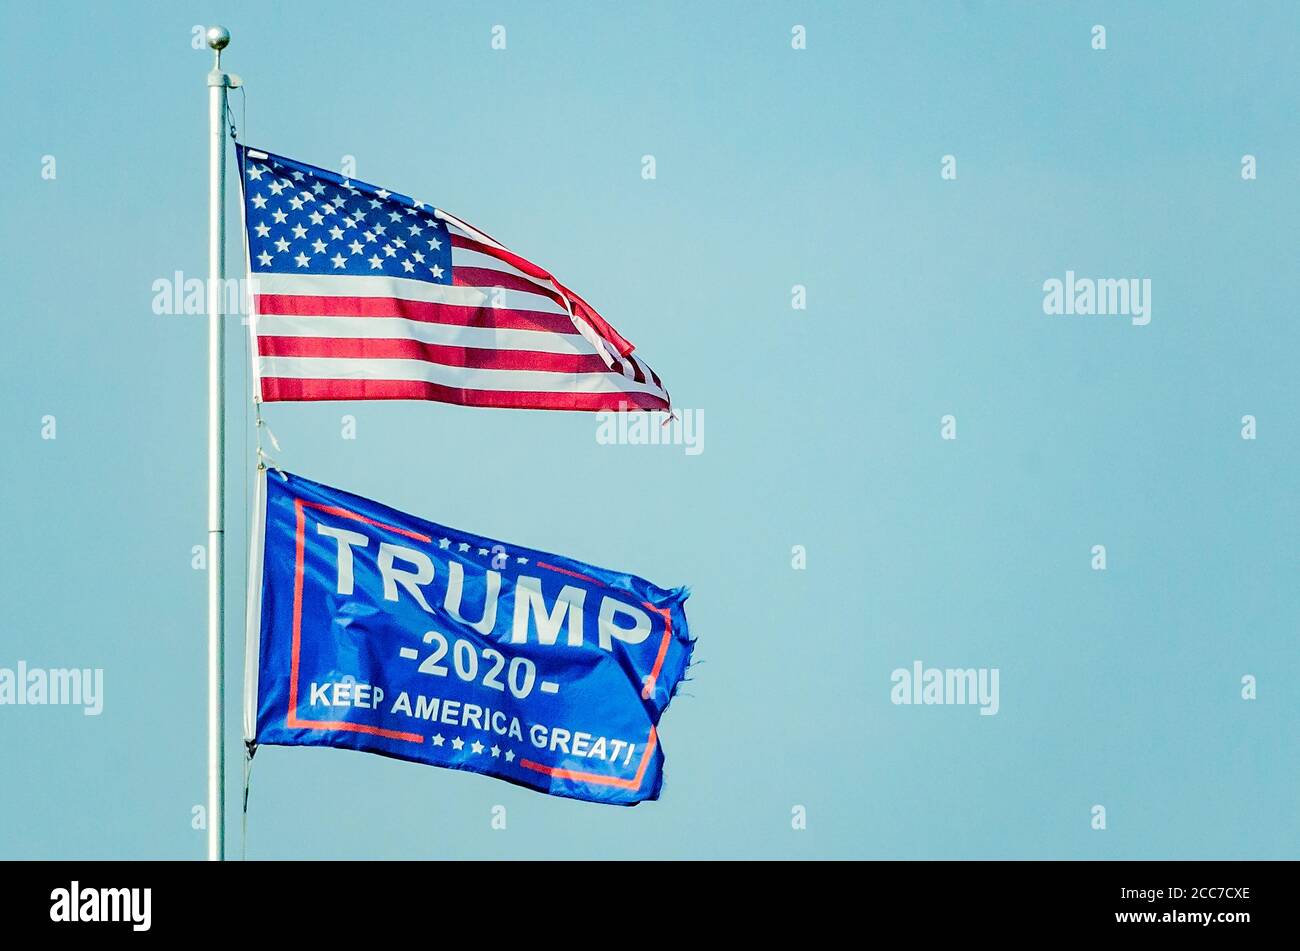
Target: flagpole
[{"x": 218, "y": 38}]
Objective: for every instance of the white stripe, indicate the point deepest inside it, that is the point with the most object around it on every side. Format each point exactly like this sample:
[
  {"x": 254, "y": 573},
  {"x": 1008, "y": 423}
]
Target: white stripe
[
  {"x": 468, "y": 378},
  {"x": 606, "y": 351},
  {"x": 467, "y": 229},
  {"x": 641, "y": 365},
  {"x": 402, "y": 288},
  {"x": 399, "y": 328},
  {"x": 464, "y": 257}
]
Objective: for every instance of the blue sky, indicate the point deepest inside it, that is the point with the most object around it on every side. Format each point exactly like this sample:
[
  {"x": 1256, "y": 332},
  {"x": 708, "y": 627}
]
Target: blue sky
[{"x": 775, "y": 167}]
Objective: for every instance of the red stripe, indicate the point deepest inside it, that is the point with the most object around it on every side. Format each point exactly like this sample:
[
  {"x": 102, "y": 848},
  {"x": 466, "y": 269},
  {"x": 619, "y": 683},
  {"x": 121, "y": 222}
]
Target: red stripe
[
  {"x": 580, "y": 306},
  {"x": 602, "y": 326},
  {"x": 303, "y": 305},
  {"x": 406, "y": 349},
  {"x": 284, "y": 388},
  {"x": 463, "y": 276},
  {"x": 501, "y": 254}
]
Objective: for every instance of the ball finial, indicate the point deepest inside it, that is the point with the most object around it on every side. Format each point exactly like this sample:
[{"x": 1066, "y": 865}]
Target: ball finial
[{"x": 218, "y": 37}]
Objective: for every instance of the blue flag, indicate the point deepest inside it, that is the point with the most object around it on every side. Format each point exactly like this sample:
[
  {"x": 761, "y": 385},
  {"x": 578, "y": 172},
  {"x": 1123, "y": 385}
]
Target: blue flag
[{"x": 373, "y": 630}]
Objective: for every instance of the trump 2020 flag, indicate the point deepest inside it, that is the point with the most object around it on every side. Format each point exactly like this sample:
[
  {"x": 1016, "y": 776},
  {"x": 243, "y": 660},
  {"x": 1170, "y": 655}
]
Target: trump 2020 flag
[
  {"x": 373, "y": 630},
  {"x": 359, "y": 293}
]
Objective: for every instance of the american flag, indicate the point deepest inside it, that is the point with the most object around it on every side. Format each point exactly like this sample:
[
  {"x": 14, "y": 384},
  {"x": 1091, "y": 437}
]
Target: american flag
[{"x": 359, "y": 293}]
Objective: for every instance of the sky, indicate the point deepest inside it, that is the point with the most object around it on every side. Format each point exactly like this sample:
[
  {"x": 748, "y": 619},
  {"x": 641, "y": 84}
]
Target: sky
[{"x": 1161, "y": 689}]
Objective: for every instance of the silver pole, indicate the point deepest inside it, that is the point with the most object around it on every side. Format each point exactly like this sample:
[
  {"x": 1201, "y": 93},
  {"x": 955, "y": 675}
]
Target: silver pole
[{"x": 218, "y": 38}]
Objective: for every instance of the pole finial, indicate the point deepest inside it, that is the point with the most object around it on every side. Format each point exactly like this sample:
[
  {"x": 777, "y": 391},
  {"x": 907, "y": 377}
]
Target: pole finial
[{"x": 218, "y": 38}]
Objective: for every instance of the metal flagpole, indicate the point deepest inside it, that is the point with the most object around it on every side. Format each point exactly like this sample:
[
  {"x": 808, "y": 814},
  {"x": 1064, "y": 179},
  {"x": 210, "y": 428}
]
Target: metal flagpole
[{"x": 218, "y": 82}]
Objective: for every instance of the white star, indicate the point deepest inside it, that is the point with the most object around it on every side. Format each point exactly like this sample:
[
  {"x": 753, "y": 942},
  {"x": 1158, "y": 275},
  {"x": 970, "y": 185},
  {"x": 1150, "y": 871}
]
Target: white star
[
  {"x": 339, "y": 260},
  {"x": 394, "y": 216},
  {"x": 259, "y": 202},
  {"x": 419, "y": 204},
  {"x": 463, "y": 546},
  {"x": 318, "y": 188},
  {"x": 388, "y": 250},
  {"x": 375, "y": 204},
  {"x": 355, "y": 246},
  {"x": 399, "y": 243},
  {"x": 380, "y": 229},
  {"x": 316, "y": 217},
  {"x": 318, "y": 246},
  {"x": 444, "y": 543},
  {"x": 327, "y": 208},
  {"x": 265, "y": 259},
  {"x": 375, "y": 262},
  {"x": 277, "y": 187},
  {"x": 279, "y": 216},
  {"x": 360, "y": 214},
  {"x": 301, "y": 259},
  {"x": 348, "y": 185},
  {"x": 522, "y": 560},
  {"x": 496, "y": 751},
  {"x": 262, "y": 229},
  {"x": 349, "y": 223},
  {"x": 477, "y": 747},
  {"x": 414, "y": 229},
  {"x": 370, "y": 238},
  {"x": 434, "y": 244},
  {"x": 299, "y": 231},
  {"x": 255, "y": 173},
  {"x": 437, "y": 271},
  {"x": 437, "y": 739},
  {"x": 510, "y": 756},
  {"x": 306, "y": 196},
  {"x": 482, "y": 551},
  {"x": 458, "y": 743},
  {"x": 407, "y": 266},
  {"x": 281, "y": 244},
  {"x": 383, "y": 194},
  {"x": 295, "y": 203},
  {"x": 336, "y": 233},
  {"x": 419, "y": 258},
  {"x": 297, "y": 175}
]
